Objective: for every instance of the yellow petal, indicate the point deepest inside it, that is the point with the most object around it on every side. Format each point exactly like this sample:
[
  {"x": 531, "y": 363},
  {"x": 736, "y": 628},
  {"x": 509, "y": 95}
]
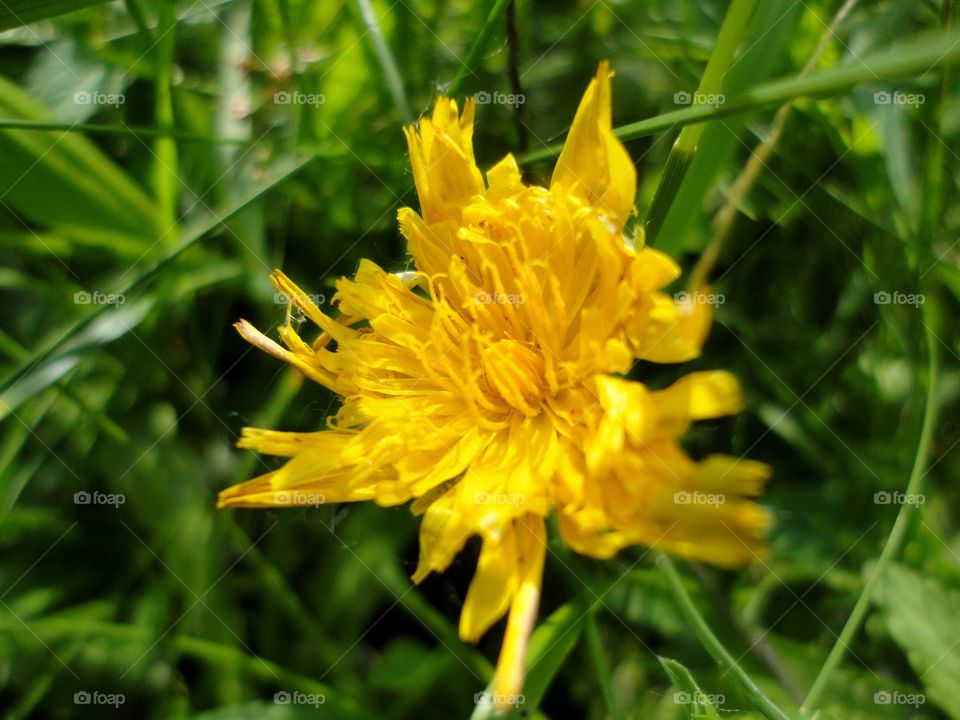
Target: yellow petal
[
  {"x": 594, "y": 164},
  {"x": 443, "y": 531},
  {"x": 697, "y": 396},
  {"x": 511, "y": 665},
  {"x": 493, "y": 583},
  {"x": 441, "y": 153}
]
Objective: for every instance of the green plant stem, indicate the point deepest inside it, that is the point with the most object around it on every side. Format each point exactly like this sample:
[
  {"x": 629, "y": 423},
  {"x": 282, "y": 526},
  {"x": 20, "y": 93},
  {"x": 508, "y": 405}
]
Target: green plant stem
[
  {"x": 898, "y": 533},
  {"x": 479, "y": 45},
  {"x": 922, "y": 455},
  {"x": 922, "y": 55},
  {"x": 601, "y": 666},
  {"x": 387, "y": 62},
  {"x": 757, "y": 163},
  {"x": 713, "y": 645},
  {"x": 136, "y": 14}
]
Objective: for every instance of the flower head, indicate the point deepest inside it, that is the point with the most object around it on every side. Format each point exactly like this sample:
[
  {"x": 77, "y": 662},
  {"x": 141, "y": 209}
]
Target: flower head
[{"x": 488, "y": 386}]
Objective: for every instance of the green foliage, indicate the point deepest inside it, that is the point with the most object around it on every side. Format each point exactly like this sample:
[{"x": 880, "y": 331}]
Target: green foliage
[
  {"x": 158, "y": 159},
  {"x": 922, "y": 616}
]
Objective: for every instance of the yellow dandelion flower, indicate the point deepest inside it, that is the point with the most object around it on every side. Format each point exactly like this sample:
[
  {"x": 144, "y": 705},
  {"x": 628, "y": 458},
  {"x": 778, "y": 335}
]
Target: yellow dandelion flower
[{"x": 487, "y": 386}]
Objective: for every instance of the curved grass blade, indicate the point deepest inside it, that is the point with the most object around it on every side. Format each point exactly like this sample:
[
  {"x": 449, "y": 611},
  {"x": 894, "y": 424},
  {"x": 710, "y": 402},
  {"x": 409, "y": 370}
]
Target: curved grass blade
[
  {"x": 94, "y": 196},
  {"x": 15, "y": 13},
  {"x": 469, "y": 63},
  {"x": 915, "y": 57},
  {"x": 191, "y": 235}
]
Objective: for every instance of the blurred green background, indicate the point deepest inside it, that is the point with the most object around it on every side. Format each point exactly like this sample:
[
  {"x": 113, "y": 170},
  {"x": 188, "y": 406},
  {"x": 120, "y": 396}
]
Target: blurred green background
[{"x": 158, "y": 159}]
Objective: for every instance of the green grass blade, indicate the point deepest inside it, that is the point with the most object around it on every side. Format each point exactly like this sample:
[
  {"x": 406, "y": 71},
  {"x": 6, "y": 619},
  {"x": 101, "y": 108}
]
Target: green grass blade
[
  {"x": 387, "y": 62},
  {"x": 94, "y": 196},
  {"x": 14, "y": 13},
  {"x": 54, "y": 349},
  {"x": 713, "y": 645},
  {"x": 914, "y": 57},
  {"x": 469, "y": 63},
  {"x": 550, "y": 645}
]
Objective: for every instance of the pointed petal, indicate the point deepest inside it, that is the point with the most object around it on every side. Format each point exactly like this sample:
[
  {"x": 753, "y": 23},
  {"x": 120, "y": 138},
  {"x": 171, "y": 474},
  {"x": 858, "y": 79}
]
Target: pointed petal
[
  {"x": 594, "y": 164},
  {"x": 493, "y": 583},
  {"x": 511, "y": 665}
]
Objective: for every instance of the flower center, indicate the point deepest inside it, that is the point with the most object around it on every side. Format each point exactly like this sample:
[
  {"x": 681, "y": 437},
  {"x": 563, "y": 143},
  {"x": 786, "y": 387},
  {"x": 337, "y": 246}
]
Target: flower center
[{"x": 515, "y": 373}]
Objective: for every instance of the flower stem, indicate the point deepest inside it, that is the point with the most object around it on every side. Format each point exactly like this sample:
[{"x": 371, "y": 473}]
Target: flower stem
[
  {"x": 898, "y": 534},
  {"x": 713, "y": 645}
]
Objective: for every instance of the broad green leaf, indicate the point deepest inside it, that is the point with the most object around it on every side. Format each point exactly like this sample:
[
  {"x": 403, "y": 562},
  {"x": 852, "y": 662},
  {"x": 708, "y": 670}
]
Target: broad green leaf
[
  {"x": 695, "y": 703},
  {"x": 14, "y": 13},
  {"x": 924, "y": 618}
]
